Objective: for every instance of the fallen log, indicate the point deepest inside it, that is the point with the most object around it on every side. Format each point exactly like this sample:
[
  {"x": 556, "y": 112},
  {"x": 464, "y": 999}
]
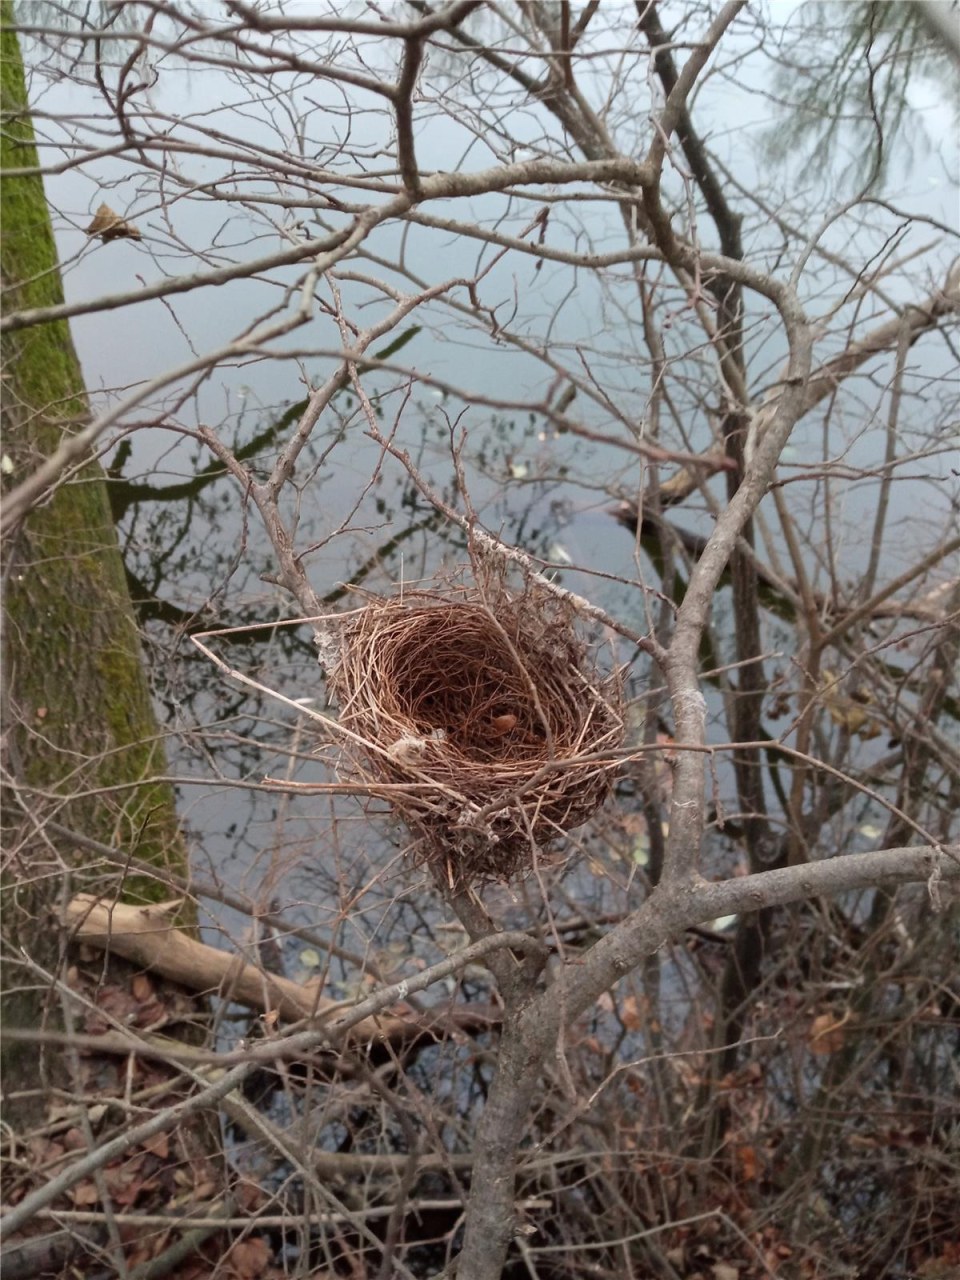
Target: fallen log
[{"x": 146, "y": 936}]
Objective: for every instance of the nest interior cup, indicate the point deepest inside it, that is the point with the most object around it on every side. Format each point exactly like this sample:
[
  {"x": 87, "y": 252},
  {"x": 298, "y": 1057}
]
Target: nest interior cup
[{"x": 486, "y": 711}]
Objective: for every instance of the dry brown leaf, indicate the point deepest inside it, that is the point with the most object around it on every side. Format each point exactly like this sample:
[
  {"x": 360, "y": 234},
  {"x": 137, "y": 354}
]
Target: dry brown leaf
[
  {"x": 946, "y": 1267},
  {"x": 124, "y": 1180},
  {"x": 849, "y": 712},
  {"x": 108, "y": 225},
  {"x": 138, "y": 1257},
  {"x": 116, "y": 1001},
  {"x": 158, "y": 1145},
  {"x": 150, "y": 1014},
  {"x": 141, "y": 986},
  {"x": 249, "y": 1259},
  {"x": 748, "y": 1164},
  {"x": 826, "y": 1033},
  {"x": 249, "y": 1195},
  {"x": 196, "y": 1271},
  {"x": 83, "y": 1195},
  {"x": 630, "y": 1014}
]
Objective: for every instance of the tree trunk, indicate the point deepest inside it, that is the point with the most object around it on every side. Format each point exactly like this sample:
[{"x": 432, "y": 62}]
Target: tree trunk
[{"x": 80, "y": 731}]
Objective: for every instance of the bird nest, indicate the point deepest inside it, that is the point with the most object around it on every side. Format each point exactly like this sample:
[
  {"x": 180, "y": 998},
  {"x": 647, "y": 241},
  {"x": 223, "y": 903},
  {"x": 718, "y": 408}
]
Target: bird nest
[{"x": 488, "y": 718}]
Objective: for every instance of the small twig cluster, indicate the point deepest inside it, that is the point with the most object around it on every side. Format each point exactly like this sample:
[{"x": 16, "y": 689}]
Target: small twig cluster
[{"x": 485, "y": 707}]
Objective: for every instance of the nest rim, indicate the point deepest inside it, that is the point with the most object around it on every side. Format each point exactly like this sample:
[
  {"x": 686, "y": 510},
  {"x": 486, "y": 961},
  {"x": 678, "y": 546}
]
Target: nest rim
[{"x": 488, "y": 714}]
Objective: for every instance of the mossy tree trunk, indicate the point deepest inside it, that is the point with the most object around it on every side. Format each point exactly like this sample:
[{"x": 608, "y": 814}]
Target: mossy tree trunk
[{"x": 82, "y": 740}]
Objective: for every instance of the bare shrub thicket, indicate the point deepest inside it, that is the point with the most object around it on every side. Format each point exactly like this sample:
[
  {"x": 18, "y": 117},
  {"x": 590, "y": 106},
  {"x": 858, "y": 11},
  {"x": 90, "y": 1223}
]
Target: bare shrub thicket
[{"x": 647, "y": 314}]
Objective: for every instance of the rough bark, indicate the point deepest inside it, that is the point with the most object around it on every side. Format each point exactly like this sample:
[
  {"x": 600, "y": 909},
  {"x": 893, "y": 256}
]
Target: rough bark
[{"x": 81, "y": 738}]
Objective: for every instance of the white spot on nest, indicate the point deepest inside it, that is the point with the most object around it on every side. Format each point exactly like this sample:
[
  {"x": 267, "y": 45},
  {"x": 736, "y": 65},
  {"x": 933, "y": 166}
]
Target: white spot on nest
[
  {"x": 328, "y": 648},
  {"x": 408, "y": 749}
]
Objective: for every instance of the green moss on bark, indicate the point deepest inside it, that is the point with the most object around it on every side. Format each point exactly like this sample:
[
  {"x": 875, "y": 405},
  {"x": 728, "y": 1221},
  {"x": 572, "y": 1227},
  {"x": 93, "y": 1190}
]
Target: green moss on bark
[{"x": 82, "y": 737}]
